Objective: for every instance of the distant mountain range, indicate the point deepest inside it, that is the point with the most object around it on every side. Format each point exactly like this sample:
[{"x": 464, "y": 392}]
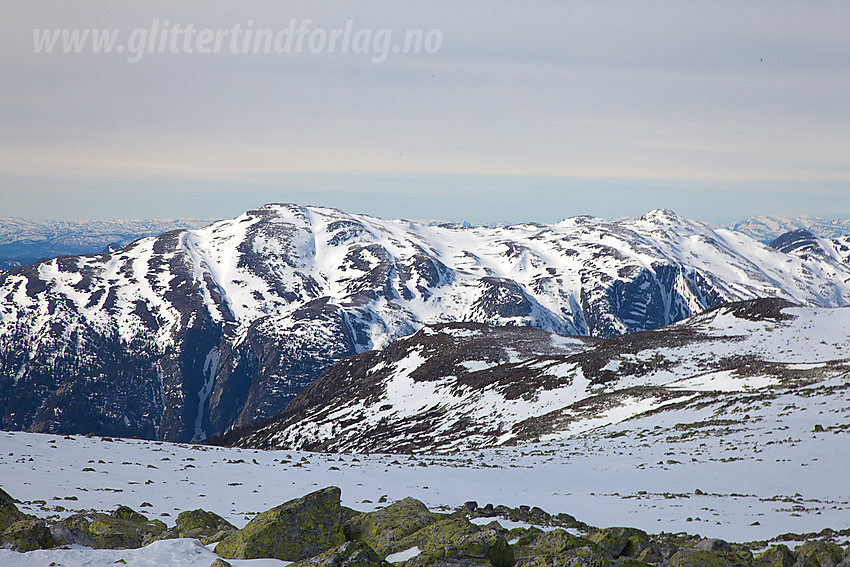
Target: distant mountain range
[
  {"x": 194, "y": 332},
  {"x": 768, "y": 228},
  {"x": 24, "y": 241}
]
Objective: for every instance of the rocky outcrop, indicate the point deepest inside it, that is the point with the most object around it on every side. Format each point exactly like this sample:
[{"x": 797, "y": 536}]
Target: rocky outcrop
[{"x": 316, "y": 531}]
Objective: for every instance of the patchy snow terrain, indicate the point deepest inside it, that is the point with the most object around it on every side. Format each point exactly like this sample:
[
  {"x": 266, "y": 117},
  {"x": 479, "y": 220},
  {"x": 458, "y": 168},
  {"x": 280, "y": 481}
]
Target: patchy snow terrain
[{"x": 455, "y": 387}]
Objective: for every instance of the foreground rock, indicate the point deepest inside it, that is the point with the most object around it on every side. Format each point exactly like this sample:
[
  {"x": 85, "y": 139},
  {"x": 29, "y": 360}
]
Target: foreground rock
[
  {"x": 296, "y": 530},
  {"x": 9, "y": 513},
  {"x": 317, "y": 531},
  {"x": 202, "y": 525},
  {"x": 124, "y": 528}
]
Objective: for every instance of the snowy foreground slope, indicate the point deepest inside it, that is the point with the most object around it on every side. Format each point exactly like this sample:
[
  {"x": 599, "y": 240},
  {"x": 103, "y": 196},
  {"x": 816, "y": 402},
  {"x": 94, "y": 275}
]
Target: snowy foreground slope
[
  {"x": 188, "y": 334},
  {"x": 462, "y": 386},
  {"x": 740, "y": 484}
]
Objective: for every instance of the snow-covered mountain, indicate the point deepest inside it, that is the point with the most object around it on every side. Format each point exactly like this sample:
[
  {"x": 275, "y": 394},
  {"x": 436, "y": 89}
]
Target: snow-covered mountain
[
  {"x": 25, "y": 241},
  {"x": 189, "y": 333},
  {"x": 459, "y": 387},
  {"x": 770, "y": 227}
]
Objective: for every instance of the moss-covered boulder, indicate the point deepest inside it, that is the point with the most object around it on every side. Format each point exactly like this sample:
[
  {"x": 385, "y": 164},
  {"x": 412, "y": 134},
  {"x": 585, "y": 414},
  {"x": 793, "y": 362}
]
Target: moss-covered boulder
[
  {"x": 124, "y": 528},
  {"x": 536, "y": 548},
  {"x": 349, "y": 554},
  {"x": 776, "y": 556},
  {"x": 705, "y": 558},
  {"x": 293, "y": 531},
  {"x": 457, "y": 541},
  {"x": 200, "y": 524},
  {"x": 621, "y": 542},
  {"x": 384, "y": 528},
  {"x": 819, "y": 554},
  {"x": 27, "y": 535},
  {"x": 9, "y": 513}
]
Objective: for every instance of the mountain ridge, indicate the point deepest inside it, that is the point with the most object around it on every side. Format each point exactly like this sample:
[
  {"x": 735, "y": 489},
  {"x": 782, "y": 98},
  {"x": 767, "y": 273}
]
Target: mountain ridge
[{"x": 460, "y": 387}]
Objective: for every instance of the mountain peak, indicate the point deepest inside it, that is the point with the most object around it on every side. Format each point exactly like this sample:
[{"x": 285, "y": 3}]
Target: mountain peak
[{"x": 662, "y": 216}]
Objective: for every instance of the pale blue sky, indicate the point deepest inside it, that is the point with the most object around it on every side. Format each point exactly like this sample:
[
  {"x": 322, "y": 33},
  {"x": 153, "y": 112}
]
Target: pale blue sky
[{"x": 528, "y": 111}]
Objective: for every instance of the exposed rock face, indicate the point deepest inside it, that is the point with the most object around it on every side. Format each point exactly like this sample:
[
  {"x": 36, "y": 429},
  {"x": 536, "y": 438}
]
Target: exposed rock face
[
  {"x": 293, "y": 531},
  {"x": 185, "y": 335},
  {"x": 801, "y": 243}
]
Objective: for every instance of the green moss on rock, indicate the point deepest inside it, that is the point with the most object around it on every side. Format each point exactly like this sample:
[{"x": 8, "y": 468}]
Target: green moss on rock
[
  {"x": 621, "y": 542},
  {"x": 28, "y": 535},
  {"x": 293, "y": 531},
  {"x": 200, "y": 524},
  {"x": 349, "y": 554},
  {"x": 535, "y": 544},
  {"x": 776, "y": 556},
  {"x": 704, "y": 558},
  {"x": 456, "y": 540},
  {"x": 384, "y": 528},
  {"x": 124, "y": 528},
  {"x": 9, "y": 513},
  {"x": 819, "y": 554}
]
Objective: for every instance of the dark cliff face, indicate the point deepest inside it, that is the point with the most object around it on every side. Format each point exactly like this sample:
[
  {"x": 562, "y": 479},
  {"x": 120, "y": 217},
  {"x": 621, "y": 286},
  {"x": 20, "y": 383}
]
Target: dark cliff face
[
  {"x": 798, "y": 243},
  {"x": 191, "y": 333}
]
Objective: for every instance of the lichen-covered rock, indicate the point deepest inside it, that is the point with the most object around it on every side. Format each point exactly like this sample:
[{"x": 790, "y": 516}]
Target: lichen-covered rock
[
  {"x": 293, "y": 531},
  {"x": 776, "y": 556},
  {"x": 818, "y": 554},
  {"x": 621, "y": 542},
  {"x": 28, "y": 535},
  {"x": 349, "y": 554},
  {"x": 704, "y": 558},
  {"x": 200, "y": 524},
  {"x": 384, "y": 528},
  {"x": 220, "y": 563},
  {"x": 556, "y": 548},
  {"x": 9, "y": 513},
  {"x": 124, "y": 528},
  {"x": 713, "y": 544},
  {"x": 456, "y": 541}
]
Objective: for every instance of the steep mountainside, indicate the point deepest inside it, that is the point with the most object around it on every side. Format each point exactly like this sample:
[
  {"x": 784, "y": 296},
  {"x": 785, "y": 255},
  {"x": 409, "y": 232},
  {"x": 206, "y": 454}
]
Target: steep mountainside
[
  {"x": 192, "y": 332},
  {"x": 461, "y": 387},
  {"x": 24, "y": 241}
]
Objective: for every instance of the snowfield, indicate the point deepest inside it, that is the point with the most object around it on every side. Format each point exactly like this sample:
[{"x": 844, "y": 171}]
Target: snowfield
[{"x": 658, "y": 473}]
